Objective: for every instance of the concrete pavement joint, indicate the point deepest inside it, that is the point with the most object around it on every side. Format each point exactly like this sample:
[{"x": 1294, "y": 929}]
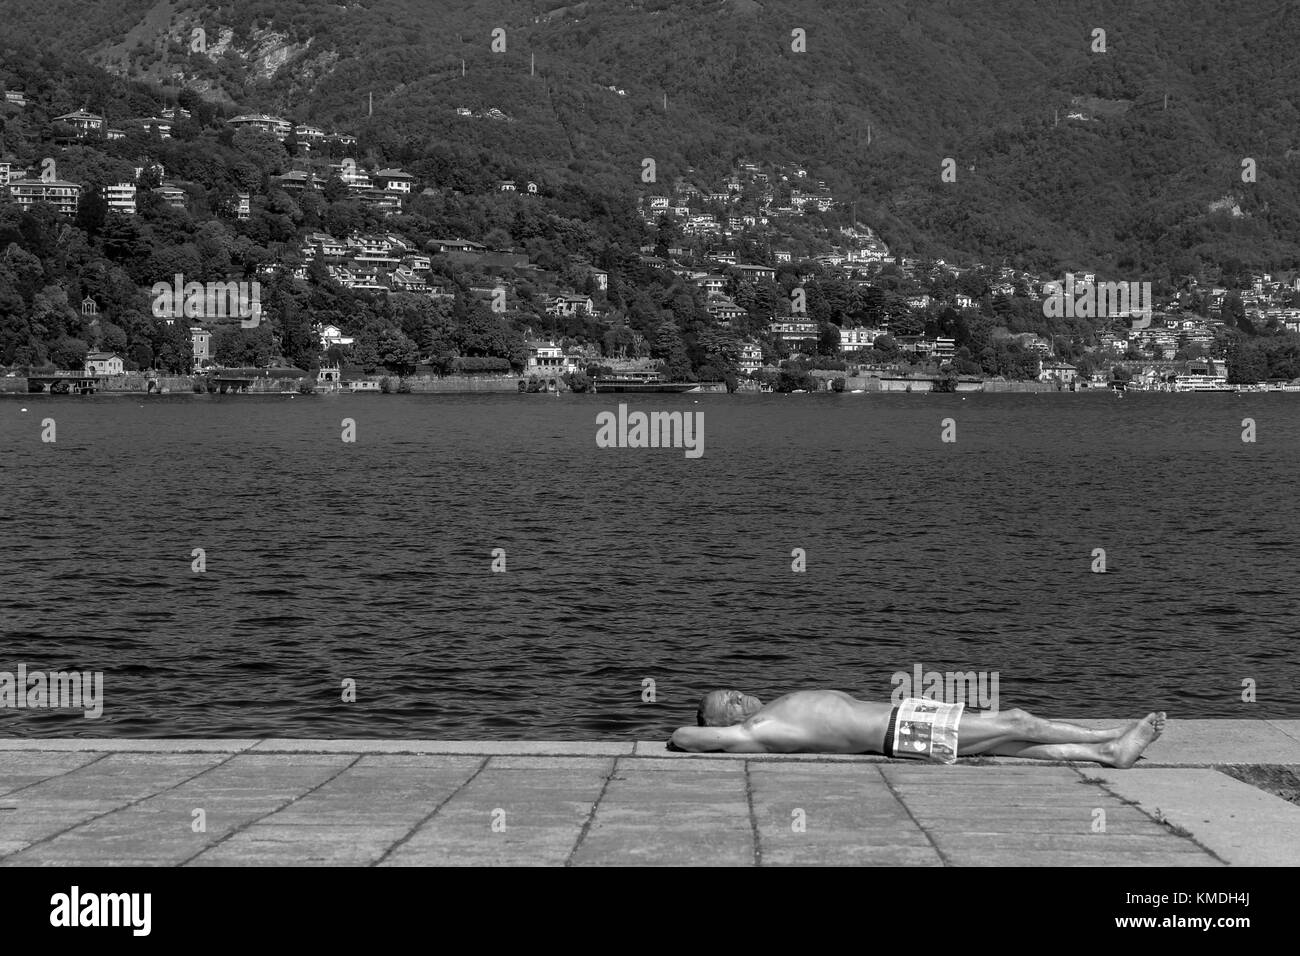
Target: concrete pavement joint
[
  {"x": 753, "y": 817},
  {"x": 591, "y": 817},
  {"x": 1159, "y": 820},
  {"x": 83, "y": 766},
  {"x": 288, "y": 803},
  {"x": 432, "y": 813},
  {"x": 1275, "y": 725},
  {"x": 943, "y": 857},
  {"x": 125, "y": 806}
]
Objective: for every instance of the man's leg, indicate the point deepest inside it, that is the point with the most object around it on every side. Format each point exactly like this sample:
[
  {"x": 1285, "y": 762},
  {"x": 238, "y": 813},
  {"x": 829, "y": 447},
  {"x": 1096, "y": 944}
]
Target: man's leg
[
  {"x": 978, "y": 733},
  {"x": 1122, "y": 752}
]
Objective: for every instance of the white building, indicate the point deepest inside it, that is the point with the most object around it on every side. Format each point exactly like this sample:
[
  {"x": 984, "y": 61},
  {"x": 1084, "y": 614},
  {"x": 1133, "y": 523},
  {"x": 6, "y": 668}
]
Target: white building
[
  {"x": 201, "y": 344},
  {"x": 121, "y": 198},
  {"x": 104, "y": 363},
  {"x": 271, "y": 124},
  {"x": 548, "y": 359},
  {"x": 570, "y": 305},
  {"x": 852, "y": 340},
  {"x": 83, "y": 122},
  {"x": 332, "y": 335}
]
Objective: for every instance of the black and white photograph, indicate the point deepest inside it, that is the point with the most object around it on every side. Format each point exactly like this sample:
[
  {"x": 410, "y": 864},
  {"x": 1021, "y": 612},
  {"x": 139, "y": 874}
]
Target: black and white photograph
[{"x": 673, "y": 434}]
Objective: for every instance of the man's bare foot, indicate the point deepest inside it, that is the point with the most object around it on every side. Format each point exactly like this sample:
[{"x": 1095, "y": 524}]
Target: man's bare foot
[{"x": 1124, "y": 752}]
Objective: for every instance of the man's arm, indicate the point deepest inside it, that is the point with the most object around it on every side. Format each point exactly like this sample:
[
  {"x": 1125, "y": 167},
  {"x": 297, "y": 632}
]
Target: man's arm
[{"x": 736, "y": 739}]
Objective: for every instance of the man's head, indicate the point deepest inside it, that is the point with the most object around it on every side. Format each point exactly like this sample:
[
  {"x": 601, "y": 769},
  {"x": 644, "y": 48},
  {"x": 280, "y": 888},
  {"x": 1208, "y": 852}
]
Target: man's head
[{"x": 722, "y": 708}]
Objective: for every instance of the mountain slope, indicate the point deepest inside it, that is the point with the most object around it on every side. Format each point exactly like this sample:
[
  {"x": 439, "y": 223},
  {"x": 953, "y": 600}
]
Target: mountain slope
[{"x": 1127, "y": 187}]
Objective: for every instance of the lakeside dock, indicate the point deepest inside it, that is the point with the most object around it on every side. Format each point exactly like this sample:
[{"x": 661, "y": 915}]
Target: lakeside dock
[{"x": 236, "y": 802}]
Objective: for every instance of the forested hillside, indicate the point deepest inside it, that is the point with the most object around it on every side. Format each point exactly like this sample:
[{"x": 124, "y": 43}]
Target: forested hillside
[{"x": 1125, "y": 187}]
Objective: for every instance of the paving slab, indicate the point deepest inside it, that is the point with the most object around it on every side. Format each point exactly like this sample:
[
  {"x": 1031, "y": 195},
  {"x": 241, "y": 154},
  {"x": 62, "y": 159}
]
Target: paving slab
[
  {"x": 825, "y": 813},
  {"x": 648, "y": 817},
  {"x": 512, "y": 812},
  {"x": 1240, "y": 823}
]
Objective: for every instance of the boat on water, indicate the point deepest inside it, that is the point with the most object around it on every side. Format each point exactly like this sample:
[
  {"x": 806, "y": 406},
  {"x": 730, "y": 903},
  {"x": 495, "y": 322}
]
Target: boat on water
[{"x": 1202, "y": 383}]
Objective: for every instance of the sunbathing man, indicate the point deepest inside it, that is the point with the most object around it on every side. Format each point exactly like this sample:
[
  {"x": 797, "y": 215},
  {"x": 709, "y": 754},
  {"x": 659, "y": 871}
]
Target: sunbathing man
[{"x": 830, "y": 721}]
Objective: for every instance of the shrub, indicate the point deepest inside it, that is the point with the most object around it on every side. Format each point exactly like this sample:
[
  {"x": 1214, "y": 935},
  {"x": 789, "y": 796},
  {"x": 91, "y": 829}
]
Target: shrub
[
  {"x": 481, "y": 364},
  {"x": 577, "y": 381},
  {"x": 789, "y": 381}
]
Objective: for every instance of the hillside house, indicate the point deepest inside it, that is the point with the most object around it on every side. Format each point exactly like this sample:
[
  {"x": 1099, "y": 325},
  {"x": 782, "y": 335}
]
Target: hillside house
[
  {"x": 724, "y": 310},
  {"x": 332, "y": 335},
  {"x": 855, "y": 339},
  {"x": 63, "y": 196},
  {"x": 756, "y": 273},
  {"x": 326, "y": 245},
  {"x": 275, "y": 125},
  {"x": 83, "y": 122},
  {"x": 297, "y": 181},
  {"x": 104, "y": 363},
  {"x": 120, "y": 197},
  {"x": 568, "y": 304},
  {"x": 159, "y": 125},
  {"x": 454, "y": 245},
  {"x": 792, "y": 331},
  {"x": 200, "y": 344},
  {"x": 393, "y": 181}
]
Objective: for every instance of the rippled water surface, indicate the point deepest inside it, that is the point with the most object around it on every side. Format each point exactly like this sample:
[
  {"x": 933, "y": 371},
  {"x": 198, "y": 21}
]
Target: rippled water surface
[{"x": 372, "y": 561}]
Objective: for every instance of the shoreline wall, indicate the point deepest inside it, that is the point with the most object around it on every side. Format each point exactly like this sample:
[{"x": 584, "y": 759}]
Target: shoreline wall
[{"x": 137, "y": 383}]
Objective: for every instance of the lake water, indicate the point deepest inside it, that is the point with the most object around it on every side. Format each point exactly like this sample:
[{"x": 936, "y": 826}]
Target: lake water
[{"x": 372, "y": 561}]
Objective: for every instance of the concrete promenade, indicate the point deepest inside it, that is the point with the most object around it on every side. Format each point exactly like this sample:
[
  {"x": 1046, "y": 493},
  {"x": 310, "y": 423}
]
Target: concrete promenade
[{"x": 227, "y": 802}]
